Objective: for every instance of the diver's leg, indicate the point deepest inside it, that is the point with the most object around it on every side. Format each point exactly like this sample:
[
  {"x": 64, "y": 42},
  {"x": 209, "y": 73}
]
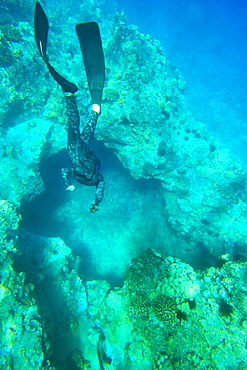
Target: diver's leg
[
  {"x": 73, "y": 124},
  {"x": 88, "y": 130}
]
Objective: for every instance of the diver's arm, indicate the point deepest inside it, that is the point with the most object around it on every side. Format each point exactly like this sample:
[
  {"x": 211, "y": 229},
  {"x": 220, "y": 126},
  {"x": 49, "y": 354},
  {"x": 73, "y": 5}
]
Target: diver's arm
[
  {"x": 88, "y": 131},
  {"x": 100, "y": 187},
  {"x": 66, "y": 173},
  {"x": 99, "y": 194}
]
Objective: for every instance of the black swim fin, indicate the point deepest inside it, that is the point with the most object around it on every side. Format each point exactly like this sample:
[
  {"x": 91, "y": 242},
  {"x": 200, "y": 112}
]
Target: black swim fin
[
  {"x": 90, "y": 41},
  {"x": 41, "y": 27}
]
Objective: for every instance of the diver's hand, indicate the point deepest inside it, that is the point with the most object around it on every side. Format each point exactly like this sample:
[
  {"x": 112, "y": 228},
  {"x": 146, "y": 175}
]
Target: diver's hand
[
  {"x": 93, "y": 208},
  {"x": 71, "y": 188}
]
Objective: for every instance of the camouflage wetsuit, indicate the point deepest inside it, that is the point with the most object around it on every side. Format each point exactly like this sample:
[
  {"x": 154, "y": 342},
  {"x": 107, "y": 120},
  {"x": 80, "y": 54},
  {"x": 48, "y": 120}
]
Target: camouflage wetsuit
[{"x": 85, "y": 166}]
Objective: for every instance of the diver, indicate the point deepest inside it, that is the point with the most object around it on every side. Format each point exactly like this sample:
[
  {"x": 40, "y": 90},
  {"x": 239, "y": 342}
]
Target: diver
[{"x": 85, "y": 166}]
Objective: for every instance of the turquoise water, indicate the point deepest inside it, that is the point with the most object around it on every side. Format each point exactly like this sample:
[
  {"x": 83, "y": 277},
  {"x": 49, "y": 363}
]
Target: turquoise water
[
  {"x": 155, "y": 278},
  {"x": 206, "y": 41}
]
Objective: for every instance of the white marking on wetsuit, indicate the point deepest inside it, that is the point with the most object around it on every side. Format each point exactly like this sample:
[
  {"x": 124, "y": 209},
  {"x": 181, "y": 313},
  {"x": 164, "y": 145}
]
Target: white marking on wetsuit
[{"x": 96, "y": 108}]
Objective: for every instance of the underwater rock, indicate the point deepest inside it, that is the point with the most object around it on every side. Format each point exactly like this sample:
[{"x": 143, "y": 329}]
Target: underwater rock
[
  {"x": 60, "y": 294},
  {"x": 204, "y": 188},
  {"x": 149, "y": 321},
  {"x": 22, "y": 338},
  {"x": 11, "y": 33},
  {"x": 76, "y": 361},
  {"x": 162, "y": 276},
  {"x": 56, "y": 273},
  {"x": 159, "y": 318},
  {"x": 9, "y": 223},
  {"x": 156, "y": 330},
  {"x": 96, "y": 291},
  {"x": 6, "y": 57},
  {"x": 21, "y": 150}
]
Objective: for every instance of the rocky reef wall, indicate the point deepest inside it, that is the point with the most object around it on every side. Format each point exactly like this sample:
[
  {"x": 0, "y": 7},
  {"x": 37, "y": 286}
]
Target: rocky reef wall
[
  {"x": 149, "y": 126},
  {"x": 145, "y": 121}
]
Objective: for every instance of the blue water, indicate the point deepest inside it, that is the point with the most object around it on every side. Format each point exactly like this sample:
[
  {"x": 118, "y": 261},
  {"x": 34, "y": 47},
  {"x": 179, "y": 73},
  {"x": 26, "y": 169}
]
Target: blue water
[{"x": 206, "y": 41}]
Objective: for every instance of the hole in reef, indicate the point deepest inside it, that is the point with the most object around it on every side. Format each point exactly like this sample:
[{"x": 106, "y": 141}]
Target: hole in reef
[
  {"x": 39, "y": 216},
  {"x": 201, "y": 258}
]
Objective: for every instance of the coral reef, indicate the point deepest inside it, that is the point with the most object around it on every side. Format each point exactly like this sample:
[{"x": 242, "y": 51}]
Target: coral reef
[
  {"x": 165, "y": 309},
  {"x": 151, "y": 322},
  {"x": 22, "y": 337},
  {"x": 171, "y": 335},
  {"x": 6, "y": 58},
  {"x": 111, "y": 95},
  {"x": 144, "y": 120},
  {"x": 76, "y": 361},
  {"x": 11, "y": 33},
  {"x": 169, "y": 277},
  {"x": 22, "y": 149},
  {"x": 165, "y": 315},
  {"x": 155, "y": 136}
]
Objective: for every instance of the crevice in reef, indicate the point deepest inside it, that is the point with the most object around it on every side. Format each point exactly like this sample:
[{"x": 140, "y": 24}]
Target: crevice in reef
[{"x": 138, "y": 202}]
